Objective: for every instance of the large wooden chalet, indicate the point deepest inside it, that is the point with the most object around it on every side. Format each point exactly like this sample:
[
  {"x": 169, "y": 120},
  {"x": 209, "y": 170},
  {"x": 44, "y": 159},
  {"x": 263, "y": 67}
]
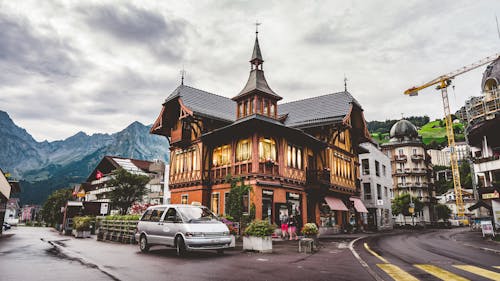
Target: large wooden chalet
[{"x": 300, "y": 157}]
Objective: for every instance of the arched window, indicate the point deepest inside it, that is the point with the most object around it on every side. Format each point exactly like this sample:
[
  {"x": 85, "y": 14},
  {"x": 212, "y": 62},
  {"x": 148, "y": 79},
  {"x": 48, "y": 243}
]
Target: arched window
[
  {"x": 244, "y": 150},
  {"x": 221, "y": 155},
  {"x": 267, "y": 149}
]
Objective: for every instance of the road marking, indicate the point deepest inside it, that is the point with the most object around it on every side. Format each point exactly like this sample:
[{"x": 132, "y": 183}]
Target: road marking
[
  {"x": 497, "y": 267},
  {"x": 375, "y": 254},
  {"x": 396, "y": 273},
  {"x": 439, "y": 272},
  {"x": 479, "y": 271}
]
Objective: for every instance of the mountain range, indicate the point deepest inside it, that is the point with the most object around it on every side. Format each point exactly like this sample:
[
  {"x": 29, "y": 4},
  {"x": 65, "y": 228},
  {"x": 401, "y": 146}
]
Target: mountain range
[{"x": 43, "y": 167}]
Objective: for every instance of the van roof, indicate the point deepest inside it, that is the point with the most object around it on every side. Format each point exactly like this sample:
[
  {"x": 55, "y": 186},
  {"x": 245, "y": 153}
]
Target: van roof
[{"x": 175, "y": 205}]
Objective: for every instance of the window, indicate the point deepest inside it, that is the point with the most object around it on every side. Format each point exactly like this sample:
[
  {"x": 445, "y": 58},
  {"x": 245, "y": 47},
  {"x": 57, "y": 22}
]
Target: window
[
  {"x": 240, "y": 109},
  {"x": 265, "y": 110},
  {"x": 184, "y": 199},
  {"x": 414, "y": 151},
  {"x": 377, "y": 168},
  {"x": 294, "y": 156},
  {"x": 244, "y": 150},
  {"x": 156, "y": 214},
  {"x": 365, "y": 166},
  {"x": 367, "y": 190},
  {"x": 221, "y": 155},
  {"x": 147, "y": 215},
  {"x": 259, "y": 105},
  {"x": 215, "y": 203},
  {"x": 267, "y": 149},
  {"x": 379, "y": 192},
  {"x": 383, "y": 170},
  {"x": 401, "y": 152},
  {"x": 272, "y": 109},
  {"x": 249, "y": 107},
  {"x": 385, "y": 192},
  {"x": 185, "y": 160},
  {"x": 246, "y": 203},
  {"x": 342, "y": 137},
  {"x": 171, "y": 216}
]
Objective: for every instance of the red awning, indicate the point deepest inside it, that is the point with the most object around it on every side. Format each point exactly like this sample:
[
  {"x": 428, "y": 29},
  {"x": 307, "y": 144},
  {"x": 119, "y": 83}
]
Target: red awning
[
  {"x": 358, "y": 205},
  {"x": 335, "y": 204}
]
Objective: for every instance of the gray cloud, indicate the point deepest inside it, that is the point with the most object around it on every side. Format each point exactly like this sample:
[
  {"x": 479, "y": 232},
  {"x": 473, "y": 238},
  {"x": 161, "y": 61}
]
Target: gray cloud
[{"x": 131, "y": 24}]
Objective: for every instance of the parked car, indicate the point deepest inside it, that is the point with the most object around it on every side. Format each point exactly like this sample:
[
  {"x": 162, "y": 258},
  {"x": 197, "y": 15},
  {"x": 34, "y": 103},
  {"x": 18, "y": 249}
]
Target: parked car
[
  {"x": 184, "y": 227},
  {"x": 6, "y": 226}
]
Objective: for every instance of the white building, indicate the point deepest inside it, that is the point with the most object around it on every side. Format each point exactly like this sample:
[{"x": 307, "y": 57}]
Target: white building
[
  {"x": 439, "y": 157},
  {"x": 462, "y": 149},
  {"x": 448, "y": 199},
  {"x": 166, "y": 190},
  {"x": 376, "y": 187}
]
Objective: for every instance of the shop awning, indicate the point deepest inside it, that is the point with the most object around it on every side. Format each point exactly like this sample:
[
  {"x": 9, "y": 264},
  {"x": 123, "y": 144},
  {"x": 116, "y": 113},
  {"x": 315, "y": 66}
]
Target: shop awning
[
  {"x": 358, "y": 205},
  {"x": 335, "y": 204}
]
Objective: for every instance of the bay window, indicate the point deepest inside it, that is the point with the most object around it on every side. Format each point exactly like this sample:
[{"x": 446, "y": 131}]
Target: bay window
[
  {"x": 267, "y": 149},
  {"x": 221, "y": 156},
  {"x": 244, "y": 150}
]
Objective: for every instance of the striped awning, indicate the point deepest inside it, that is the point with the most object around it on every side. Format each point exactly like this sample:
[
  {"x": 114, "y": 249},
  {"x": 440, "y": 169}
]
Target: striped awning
[
  {"x": 358, "y": 205},
  {"x": 335, "y": 204}
]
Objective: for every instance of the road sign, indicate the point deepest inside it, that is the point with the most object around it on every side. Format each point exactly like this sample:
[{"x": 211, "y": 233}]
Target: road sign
[
  {"x": 104, "y": 208},
  {"x": 411, "y": 210}
]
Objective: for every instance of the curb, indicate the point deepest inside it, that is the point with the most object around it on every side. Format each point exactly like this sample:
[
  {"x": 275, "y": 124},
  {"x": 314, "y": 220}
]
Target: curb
[
  {"x": 452, "y": 237},
  {"x": 361, "y": 261},
  {"x": 73, "y": 256}
]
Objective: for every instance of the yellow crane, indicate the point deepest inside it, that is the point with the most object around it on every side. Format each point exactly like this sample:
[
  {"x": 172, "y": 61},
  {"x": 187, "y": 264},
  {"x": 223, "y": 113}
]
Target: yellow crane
[{"x": 442, "y": 83}]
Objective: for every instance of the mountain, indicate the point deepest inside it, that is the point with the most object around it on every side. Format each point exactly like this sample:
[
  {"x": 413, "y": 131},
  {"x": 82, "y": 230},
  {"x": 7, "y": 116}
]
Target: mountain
[{"x": 47, "y": 166}]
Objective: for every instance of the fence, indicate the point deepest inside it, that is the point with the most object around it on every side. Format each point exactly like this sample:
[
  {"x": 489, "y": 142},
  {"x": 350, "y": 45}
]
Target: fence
[{"x": 117, "y": 230}]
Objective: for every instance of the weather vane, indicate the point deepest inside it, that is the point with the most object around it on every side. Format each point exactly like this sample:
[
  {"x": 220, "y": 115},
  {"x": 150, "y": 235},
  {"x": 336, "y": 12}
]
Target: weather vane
[{"x": 257, "y": 27}]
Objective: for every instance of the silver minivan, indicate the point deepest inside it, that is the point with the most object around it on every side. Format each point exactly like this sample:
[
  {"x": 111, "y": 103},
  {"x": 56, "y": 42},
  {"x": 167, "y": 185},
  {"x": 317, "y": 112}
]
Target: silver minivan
[{"x": 184, "y": 227}]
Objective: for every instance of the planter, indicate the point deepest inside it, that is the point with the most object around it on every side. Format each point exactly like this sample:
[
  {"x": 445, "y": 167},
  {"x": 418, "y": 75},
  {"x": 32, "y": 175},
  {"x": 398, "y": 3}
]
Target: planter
[
  {"x": 81, "y": 233},
  {"x": 259, "y": 244},
  {"x": 233, "y": 241}
]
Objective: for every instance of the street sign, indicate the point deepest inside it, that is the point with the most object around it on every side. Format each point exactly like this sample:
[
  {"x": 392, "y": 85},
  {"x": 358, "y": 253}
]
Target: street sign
[
  {"x": 411, "y": 210},
  {"x": 104, "y": 208},
  {"x": 487, "y": 228}
]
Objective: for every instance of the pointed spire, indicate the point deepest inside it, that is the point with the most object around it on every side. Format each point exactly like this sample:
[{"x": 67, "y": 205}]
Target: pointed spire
[{"x": 256, "y": 54}]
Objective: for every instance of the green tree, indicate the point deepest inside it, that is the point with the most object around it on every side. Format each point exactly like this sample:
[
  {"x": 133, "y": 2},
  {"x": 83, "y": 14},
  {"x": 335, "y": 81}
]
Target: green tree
[
  {"x": 443, "y": 212},
  {"x": 238, "y": 190},
  {"x": 401, "y": 205},
  {"x": 465, "y": 175},
  {"x": 127, "y": 188},
  {"x": 51, "y": 209}
]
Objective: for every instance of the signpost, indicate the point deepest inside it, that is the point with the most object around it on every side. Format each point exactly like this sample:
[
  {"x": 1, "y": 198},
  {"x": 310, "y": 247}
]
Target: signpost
[
  {"x": 104, "y": 208},
  {"x": 487, "y": 228}
]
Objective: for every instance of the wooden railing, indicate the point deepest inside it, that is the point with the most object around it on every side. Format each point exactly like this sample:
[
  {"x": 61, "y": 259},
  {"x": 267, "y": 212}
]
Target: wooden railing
[
  {"x": 243, "y": 168},
  {"x": 318, "y": 176},
  {"x": 185, "y": 177},
  {"x": 122, "y": 231},
  {"x": 268, "y": 168}
]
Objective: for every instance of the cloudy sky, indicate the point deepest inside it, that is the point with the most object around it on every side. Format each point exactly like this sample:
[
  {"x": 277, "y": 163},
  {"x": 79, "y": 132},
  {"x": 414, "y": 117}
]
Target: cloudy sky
[{"x": 97, "y": 66}]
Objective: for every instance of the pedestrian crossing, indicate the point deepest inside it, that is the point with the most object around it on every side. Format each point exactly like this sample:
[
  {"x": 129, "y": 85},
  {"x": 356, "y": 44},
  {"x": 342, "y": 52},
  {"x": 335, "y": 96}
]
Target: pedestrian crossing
[{"x": 398, "y": 274}]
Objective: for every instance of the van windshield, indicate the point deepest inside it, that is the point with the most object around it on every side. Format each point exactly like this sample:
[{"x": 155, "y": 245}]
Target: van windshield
[{"x": 197, "y": 215}]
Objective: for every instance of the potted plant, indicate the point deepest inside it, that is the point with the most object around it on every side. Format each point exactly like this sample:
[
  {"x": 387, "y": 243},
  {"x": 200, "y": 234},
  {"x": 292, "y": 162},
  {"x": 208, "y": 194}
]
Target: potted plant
[
  {"x": 81, "y": 227},
  {"x": 258, "y": 237},
  {"x": 233, "y": 231},
  {"x": 310, "y": 230}
]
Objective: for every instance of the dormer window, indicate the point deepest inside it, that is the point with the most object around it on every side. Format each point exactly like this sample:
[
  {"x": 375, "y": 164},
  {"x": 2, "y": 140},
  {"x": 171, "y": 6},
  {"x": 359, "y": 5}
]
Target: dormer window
[
  {"x": 272, "y": 110},
  {"x": 266, "y": 107}
]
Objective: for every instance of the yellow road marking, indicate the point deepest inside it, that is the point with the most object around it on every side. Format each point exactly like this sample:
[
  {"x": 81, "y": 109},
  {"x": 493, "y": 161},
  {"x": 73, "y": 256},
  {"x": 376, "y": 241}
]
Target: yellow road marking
[
  {"x": 375, "y": 254},
  {"x": 479, "y": 271},
  {"x": 396, "y": 273},
  {"x": 497, "y": 267},
  {"x": 440, "y": 273}
]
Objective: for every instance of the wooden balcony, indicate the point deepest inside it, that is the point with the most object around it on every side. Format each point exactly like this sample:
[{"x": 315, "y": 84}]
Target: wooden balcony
[
  {"x": 242, "y": 168},
  {"x": 269, "y": 168},
  {"x": 185, "y": 177},
  {"x": 220, "y": 173},
  {"x": 318, "y": 177}
]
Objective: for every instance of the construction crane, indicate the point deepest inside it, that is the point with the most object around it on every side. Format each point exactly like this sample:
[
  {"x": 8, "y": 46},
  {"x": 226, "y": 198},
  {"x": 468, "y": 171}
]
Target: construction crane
[{"x": 442, "y": 83}]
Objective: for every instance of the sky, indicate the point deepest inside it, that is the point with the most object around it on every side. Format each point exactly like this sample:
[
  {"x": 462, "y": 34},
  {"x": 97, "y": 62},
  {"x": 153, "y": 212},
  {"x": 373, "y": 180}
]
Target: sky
[{"x": 97, "y": 66}]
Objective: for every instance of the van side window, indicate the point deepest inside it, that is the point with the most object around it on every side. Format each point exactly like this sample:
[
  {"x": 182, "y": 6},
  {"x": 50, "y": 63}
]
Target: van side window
[
  {"x": 156, "y": 214},
  {"x": 171, "y": 215},
  {"x": 147, "y": 215}
]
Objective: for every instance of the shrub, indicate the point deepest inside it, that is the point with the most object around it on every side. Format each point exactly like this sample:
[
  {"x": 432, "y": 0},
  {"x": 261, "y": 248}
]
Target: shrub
[
  {"x": 82, "y": 223},
  {"x": 123, "y": 218},
  {"x": 309, "y": 229},
  {"x": 259, "y": 228}
]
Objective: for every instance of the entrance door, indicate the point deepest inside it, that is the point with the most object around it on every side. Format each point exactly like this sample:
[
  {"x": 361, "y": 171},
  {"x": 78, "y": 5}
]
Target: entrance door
[{"x": 267, "y": 205}]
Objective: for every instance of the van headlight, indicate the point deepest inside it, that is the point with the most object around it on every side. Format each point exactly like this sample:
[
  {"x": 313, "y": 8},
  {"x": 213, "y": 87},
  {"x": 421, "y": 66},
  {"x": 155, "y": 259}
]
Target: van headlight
[{"x": 195, "y": 234}]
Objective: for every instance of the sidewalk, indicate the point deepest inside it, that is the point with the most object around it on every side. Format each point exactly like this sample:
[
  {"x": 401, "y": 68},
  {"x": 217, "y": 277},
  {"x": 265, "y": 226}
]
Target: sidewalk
[{"x": 476, "y": 240}]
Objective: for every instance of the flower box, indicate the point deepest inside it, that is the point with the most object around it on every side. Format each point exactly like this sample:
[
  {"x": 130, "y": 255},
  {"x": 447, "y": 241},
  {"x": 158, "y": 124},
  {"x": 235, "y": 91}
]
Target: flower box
[
  {"x": 259, "y": 244},
  {"x": 81, "y": 233}
]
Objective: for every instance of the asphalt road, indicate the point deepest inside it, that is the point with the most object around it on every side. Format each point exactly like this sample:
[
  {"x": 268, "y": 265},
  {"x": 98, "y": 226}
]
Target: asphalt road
[
  {"x": 67, "y": 258},
  {"x": 455, "y": 254}
]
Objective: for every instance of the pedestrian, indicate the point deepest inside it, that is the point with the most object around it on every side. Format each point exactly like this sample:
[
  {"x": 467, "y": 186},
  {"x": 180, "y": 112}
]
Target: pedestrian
[
  {"x": 284, "y": 225},
  {"x": 292, "y": 227}
]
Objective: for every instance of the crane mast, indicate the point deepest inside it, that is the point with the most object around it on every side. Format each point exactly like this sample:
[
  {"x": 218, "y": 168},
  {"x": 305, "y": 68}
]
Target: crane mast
[{"x": 443, "y": 82}]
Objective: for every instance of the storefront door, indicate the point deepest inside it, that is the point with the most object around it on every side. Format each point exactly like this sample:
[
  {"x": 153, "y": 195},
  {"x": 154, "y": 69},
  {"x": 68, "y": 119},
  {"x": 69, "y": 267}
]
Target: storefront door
[{"x": 267, "y": 205}]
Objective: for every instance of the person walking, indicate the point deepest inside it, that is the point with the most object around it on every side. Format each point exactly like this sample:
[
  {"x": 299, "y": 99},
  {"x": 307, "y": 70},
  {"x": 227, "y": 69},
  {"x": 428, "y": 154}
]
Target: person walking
[
  {"x": 284, "y": 225},
  {"x": 292, "y": 227}
]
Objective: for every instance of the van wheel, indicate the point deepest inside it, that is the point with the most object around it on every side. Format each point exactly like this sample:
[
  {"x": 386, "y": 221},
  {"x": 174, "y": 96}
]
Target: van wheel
[
  {"x": 143, "y": 244},
  {"x": 180, "y": 246},
  {"x": 220, "y": 251}
]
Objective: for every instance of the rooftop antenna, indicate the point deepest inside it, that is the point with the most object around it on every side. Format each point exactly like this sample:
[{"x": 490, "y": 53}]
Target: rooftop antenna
[
  {"x": 345, "y": 83},
  {"x": 183, "y": 72}
]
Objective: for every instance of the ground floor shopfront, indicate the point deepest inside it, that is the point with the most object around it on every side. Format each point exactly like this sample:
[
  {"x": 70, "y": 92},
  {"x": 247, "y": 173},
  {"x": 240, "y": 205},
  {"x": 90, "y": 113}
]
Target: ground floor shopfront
[{"x": 332, "y": 212}]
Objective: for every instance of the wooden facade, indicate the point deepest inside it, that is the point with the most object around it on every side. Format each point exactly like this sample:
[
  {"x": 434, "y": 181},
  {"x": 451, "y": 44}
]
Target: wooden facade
[{"x": 291, "y": 168}]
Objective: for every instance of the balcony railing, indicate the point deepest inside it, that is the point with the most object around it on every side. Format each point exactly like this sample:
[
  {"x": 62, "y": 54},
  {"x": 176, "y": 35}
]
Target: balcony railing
[
  {"x": 318, "y": 176},
  {"x": 269, "y": 168},
  {"x": 400, "y": 158},
  {"x": 417, "y": 157}
]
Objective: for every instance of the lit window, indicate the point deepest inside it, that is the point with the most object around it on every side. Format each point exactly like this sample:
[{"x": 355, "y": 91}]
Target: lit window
[
  {"x": 221, "y": 155},
  {"x": 266, "y": 107},
  {"x": 184, "y": 199},
  {"x": 294, "y": 156},
  {"x": 267, "y": 149},
  {"x": 244, "y": 150},
  {"x": 240, "y": 109},
  {"x": 272, "y": 109},
  {"x": 215, "y": 203},
  {"x": 185, "y": 160}
]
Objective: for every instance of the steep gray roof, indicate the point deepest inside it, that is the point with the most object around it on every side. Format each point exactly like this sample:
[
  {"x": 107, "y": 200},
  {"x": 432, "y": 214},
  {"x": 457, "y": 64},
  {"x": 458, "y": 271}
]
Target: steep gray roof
[
  {"x": 256, "y": 54},
  {"x": 257, "y": 82},
  {"x": 317, "y": 110},
  {"x": 205, "y": 103}
]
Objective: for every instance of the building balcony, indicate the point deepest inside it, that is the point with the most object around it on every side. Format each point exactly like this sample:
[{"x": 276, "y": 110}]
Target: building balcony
[
  {"x": 269, "y": 168},
  {"x": 185, "y": 177},
  {"x": 400, "y": 172},
  {"x": 400, "y": 158},
  {"x": 419, "y": 171},
  {"x": 404, "y": 184},
  {"x": 318, "y": 177},
  {"x": 417, "y": 157}
]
